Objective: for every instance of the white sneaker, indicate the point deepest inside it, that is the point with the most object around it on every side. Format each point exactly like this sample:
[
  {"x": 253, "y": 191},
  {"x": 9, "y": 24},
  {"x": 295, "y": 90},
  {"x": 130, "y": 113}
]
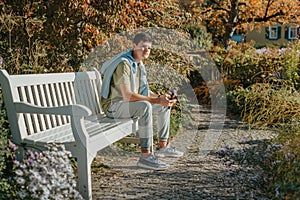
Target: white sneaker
[
  {"x": 151, "y": 162},
  {"x": 168, "y": 151}
]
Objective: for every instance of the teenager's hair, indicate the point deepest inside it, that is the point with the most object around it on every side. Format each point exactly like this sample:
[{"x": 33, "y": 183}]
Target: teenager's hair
[{"x": 142, "y": 37}]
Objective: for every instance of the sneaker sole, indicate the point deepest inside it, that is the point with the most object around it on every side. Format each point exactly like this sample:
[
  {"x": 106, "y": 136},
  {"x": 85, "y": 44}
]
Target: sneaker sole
[
  {"x": 149, "y": 167},
  {"x": 170, "y": 156}
]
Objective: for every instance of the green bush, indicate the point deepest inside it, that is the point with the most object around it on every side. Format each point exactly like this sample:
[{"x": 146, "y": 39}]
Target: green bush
[
  {"x": 6, "y": 188},
  {"x": 244, "y": 66},
  {"x": 249, "y": 65},
  {"x": 286, "y": 173}
]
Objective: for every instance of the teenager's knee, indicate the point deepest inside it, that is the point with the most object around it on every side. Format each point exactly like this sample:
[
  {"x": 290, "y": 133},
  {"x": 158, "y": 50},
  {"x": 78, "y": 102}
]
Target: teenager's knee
[
  {"x": 145, "y": 114},
  {"x": 146, "y": 107}
]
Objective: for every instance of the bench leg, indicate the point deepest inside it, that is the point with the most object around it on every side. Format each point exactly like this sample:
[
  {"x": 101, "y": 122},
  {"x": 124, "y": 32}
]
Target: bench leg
[{"x": 84, "y": 161}]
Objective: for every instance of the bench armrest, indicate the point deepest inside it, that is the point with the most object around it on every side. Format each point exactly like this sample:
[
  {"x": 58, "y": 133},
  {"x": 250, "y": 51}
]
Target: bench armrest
[
  {"x": 76, "y": 112},
  {"x": 72, "y": 110}
]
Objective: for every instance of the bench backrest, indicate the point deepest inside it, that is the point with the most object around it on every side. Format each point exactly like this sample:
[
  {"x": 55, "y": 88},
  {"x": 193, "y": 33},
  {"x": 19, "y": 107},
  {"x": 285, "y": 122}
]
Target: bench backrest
[{"x": 54, "y": 89}]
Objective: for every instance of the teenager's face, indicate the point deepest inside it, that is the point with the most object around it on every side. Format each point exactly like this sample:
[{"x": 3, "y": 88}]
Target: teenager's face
[{"x": 142, "y": 50}]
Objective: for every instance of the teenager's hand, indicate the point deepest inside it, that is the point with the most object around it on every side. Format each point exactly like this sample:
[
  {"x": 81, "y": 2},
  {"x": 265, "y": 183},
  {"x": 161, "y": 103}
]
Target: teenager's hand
[{"x": 165, "y": 101}]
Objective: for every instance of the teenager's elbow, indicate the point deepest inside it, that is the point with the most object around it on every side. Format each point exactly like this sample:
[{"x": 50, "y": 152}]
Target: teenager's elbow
[
  {"x": 126, "y": 92},
  {"x": 127, "y": 96}
]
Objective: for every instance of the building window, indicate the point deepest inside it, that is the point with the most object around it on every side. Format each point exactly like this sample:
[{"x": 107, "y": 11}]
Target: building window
[
  {"x": 273, "y": 32},
  {"x": 293, "y": 33}
]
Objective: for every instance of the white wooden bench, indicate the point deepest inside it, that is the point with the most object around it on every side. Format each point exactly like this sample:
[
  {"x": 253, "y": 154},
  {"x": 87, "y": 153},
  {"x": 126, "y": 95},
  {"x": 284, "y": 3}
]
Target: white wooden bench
[{"x": 62, "y": 108}]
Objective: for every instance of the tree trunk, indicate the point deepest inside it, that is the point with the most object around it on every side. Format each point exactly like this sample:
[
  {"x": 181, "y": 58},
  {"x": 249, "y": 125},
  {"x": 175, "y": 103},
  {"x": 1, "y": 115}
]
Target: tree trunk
[{"x": 232, "y": 22}]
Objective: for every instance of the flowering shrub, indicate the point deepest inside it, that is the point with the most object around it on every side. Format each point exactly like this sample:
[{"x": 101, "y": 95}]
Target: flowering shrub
[
  {"x": 276, "y": 107},
  {"x": 284, "y": 167},
  {"x": 46, "y": 175},
  {"x": 269, "y": 168},
  {"x": 272, "y": 102},
  {"x": 6, "y": 189}
]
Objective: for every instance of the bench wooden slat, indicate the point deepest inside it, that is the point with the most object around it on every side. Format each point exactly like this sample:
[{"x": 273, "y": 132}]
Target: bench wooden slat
[
  {"x": 93, "y": 127},
  {"x": 62, "y": 134},
  {"x": 54, "y": 98},
  {"x": 52, "y": 135},
  {"x": 34, "y": 117},
  {"x": 47, "y": 118},
  {"x": 27, "y": 117},
  {"x": 48, "y": 102},
  {"x": 91, "y": 98},
  {"x": 59, "y": 100},
  {"x": 41, "y": 118},
  {"x": 70, "y": 92},
  {"x": 62, "y": 94},
  {"x": 39, "y": 79}
]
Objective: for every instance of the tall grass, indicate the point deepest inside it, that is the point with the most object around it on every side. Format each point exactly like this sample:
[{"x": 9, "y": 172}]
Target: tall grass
[{"x": 268, "y": 105}]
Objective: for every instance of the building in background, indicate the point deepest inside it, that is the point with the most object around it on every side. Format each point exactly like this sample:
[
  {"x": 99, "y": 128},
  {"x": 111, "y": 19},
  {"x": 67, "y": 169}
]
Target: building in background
[{"x": 277, "y": 34}]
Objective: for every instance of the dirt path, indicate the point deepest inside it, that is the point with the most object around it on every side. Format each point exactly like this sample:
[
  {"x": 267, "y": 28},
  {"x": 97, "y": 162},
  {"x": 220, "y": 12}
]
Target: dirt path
[{"x": 197, "y": 175}]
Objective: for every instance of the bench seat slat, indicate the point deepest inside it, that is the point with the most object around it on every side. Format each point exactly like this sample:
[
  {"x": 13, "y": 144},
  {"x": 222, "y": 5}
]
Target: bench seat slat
[
  {"x": 51, "y": 135},
  {"x": 107, "y": 127},
  {"x": 63, "y": 134}
]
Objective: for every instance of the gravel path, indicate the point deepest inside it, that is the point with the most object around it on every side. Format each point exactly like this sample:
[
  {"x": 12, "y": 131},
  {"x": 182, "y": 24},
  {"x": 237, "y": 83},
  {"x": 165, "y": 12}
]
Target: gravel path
[{"x": 199, "y": 174}]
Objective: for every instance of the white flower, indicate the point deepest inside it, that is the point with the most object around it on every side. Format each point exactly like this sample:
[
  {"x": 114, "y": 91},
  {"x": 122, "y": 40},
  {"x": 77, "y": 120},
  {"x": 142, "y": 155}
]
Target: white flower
[
  {"x": 73, "y": 183},
  {"x": 51, "y": 171},
  {"x": 34, "y": 195},
  {"x": 32, "y": 188},
  {"x": 59, "y": 197},
  {"x": 23, "y": 166},
  {"x": 54, "y": 149},
  {"x": 60, "y": 153},
  {"x": 44, "y": 197},
  {"x": 54, "y": 183},
  {"x": 65, "y": 192},
  {"x": 45, "y": 160},
  {"x": 21, "y": 181},
  {"x": 45, "y": 190},
  {"x": 22, "y": 194},
  {"x": 19, "y": 172},
  {"x": 44, "y": 169},
  {"x": 35, "y": 175}
]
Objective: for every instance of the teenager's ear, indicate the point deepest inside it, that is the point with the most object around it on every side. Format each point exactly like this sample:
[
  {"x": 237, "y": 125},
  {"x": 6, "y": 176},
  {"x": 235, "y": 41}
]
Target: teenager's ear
[{"x": 134, "y": 46}]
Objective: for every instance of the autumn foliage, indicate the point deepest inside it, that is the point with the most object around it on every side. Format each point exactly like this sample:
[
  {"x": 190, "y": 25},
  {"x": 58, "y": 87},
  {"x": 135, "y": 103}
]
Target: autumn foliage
[
  {"x": 43, "y": 36},
  {"x": 224, "y": 17}
]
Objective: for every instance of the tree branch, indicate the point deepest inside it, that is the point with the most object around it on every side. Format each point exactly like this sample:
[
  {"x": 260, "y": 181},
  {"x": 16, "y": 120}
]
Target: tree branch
[{"x": 266, "y": 18}]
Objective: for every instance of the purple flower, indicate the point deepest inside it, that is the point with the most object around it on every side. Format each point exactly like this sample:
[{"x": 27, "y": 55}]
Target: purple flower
[
  {"x": 277, "y": 145},
  {"x": 17, "y": 163},
  {"x": 12, "y": 145},
  {"x": 268, "y": 148},
  {"x": 245, "y": 139},
  {"x": 288, "y": 156}
]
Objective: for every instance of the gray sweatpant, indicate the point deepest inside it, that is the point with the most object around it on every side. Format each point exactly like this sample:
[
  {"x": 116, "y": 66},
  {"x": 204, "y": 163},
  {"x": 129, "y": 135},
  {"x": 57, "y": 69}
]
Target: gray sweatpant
[{"x": 143, "y": 111}]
